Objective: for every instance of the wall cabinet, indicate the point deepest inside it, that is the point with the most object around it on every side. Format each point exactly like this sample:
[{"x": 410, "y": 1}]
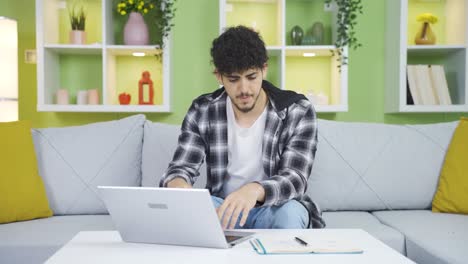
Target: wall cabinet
[
  {"x": 450, "y": 51},
  {"x": 102, "y": 62},
  {"x": 309, "y": 68}
]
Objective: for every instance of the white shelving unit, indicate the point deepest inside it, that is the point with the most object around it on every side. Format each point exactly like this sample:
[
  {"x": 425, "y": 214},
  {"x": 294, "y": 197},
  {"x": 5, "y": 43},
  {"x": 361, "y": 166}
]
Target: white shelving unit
[
  {"x": 102, "y": 64},
  {"x": 321, "y": 69},
  {"x": 450, "y": 51}
]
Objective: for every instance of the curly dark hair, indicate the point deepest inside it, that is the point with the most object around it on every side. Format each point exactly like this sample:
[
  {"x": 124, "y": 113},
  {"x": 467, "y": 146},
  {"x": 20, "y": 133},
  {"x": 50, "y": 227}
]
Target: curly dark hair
[{"x": 238, "y": 49}]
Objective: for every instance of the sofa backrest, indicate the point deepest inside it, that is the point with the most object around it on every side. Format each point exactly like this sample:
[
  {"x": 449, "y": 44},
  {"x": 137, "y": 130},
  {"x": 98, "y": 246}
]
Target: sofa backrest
[
  {"x": 160, "y": 142},
  {"x": 358, "y": 166},
  {"x": 366, "y": 166},
  {"x": 73, "y": 161}
]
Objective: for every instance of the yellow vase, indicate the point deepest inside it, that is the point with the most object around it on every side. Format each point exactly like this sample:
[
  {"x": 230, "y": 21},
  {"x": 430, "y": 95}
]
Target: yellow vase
[{"x": 425, "y": 35}]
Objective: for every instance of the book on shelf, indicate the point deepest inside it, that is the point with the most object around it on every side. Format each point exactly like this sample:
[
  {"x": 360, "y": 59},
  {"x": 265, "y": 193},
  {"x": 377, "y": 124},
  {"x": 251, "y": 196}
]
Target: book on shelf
[
  {"x": 427, "y": 85},
  {"x": 412, "y": 84},
  {"x": 302, "y": 245},
  {"x": 439, "y": 83},
  {"x": 424, "y": 84}
]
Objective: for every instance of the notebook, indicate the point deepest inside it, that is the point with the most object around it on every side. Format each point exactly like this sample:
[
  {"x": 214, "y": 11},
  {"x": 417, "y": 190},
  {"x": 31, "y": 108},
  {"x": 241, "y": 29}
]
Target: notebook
[{"x": 302, "y": 245}]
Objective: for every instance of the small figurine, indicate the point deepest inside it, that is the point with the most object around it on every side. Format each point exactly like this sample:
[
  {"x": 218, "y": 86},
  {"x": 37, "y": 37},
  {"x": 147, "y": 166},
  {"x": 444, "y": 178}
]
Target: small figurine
[
  {"x": 145, "y": 89},
  {"x": 125, "y": 98}
]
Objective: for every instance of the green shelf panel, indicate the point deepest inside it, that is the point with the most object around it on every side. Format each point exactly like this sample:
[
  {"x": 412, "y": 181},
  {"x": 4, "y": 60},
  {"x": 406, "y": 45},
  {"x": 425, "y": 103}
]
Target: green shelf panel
[
  {"x": 305, "y": 13},
  {"x": 93, "y": 25},
  {"x": 128, "y": 73},
  {"x": 274, "y": 71},
  {"x": 80, "y": 72},
  {"x": 262, "y": 16}
]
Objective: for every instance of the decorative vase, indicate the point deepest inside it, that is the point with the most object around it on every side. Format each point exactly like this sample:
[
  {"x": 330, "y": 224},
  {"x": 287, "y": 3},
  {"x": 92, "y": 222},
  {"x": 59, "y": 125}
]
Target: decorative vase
[
  {"x": 296, "y": 35},
  {"x": 135, "y": 30},
  {"x": 77, "y": 37},
  {"x": 317, "y": 32},
  {"x": 425, "y": 35}
]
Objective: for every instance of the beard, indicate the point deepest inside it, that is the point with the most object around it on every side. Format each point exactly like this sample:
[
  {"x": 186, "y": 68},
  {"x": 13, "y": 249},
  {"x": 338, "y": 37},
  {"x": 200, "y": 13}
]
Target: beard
[{"x": 246, "y": 108}]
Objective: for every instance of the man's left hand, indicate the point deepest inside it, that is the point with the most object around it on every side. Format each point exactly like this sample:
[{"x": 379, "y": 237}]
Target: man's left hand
[{"x": 240, "y": 201}]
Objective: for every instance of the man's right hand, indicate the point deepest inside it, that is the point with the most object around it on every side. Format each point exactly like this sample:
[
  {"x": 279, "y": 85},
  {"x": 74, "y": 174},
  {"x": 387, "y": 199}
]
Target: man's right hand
[{"x": 178, "y": 183}]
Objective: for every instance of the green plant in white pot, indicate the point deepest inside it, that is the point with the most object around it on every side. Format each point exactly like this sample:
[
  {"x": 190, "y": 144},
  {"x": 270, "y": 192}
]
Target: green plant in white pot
[{"x": 77, "y": 17}]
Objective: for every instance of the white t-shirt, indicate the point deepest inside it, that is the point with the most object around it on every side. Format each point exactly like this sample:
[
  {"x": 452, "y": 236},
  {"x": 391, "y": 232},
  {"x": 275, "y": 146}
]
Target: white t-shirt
[{"x": 244, "y": 151}]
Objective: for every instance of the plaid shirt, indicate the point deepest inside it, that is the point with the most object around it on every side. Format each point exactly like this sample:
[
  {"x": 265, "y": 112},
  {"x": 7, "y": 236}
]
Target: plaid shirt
[{"x": 289, "y": 146}]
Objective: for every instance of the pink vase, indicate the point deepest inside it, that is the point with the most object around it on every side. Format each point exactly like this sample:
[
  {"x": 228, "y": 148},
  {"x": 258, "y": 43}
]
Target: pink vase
[{"x": 136, "y": 30}]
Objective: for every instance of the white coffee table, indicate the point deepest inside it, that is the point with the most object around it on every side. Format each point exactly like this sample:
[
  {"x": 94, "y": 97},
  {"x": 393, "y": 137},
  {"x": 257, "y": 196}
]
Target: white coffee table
[{"x": 108, "y": 247}]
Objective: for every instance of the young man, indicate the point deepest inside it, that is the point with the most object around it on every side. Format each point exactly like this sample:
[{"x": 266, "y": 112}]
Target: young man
[{"x": 258, "y": 141}]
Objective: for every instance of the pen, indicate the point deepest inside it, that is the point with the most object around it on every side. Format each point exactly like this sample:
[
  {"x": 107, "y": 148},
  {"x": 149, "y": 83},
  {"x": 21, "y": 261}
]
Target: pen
[{"x": 302, "y": 242}]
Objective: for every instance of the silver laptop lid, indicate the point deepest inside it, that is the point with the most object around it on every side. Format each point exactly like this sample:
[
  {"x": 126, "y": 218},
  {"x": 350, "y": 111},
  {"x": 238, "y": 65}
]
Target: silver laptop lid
[{"x": 164, "y": 216}]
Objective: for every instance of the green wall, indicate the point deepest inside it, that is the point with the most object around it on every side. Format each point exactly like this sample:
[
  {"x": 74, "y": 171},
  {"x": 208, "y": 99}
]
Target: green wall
[{"x": 196, "y": 25}]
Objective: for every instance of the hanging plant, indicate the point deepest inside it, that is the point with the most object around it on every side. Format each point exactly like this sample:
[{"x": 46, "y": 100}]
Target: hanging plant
[
  {"x": 346, "y": 17},
  {"x": 164, "y": 15}
]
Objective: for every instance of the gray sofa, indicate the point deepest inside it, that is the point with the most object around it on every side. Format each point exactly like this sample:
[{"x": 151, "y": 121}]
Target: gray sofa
[{"x": 377, "y": 177}]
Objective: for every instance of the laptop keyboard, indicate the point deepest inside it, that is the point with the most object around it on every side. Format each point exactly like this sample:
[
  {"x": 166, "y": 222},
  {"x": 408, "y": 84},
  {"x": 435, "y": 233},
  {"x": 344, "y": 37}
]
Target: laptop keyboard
[{"x": 232, "y": 238}]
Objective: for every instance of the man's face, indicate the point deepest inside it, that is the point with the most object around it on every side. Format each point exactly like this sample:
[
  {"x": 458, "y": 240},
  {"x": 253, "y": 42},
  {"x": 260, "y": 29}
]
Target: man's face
[{"x": 243, "y": 88}]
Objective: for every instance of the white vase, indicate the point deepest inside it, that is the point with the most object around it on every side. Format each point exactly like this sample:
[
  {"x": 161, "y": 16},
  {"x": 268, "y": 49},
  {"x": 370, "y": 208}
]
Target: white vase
[
  {"x": 136, "y": 30},
  {"x": 78, "y": 37}
]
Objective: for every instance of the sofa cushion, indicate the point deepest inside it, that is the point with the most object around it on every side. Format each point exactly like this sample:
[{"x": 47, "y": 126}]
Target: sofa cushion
[
  {"x": 452, "y": 191},
  {"x": 35, "y": 241},
  {"x": 430, "y": 237},
  {"x": 368, "y": 223},
  {"x": 22, "y": 192},
  {"x": 73, "y": 161},
  {"x": 366, "y": 166},
  {"x": 160, "y": 144}
]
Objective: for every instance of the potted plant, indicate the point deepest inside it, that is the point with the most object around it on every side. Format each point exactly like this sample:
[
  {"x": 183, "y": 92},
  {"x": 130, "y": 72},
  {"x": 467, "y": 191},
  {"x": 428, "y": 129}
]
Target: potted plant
[
  {"x": 77, "y": 21},
  {"x": 346, "y": 19},
  {"x": 136, "y": 30}
]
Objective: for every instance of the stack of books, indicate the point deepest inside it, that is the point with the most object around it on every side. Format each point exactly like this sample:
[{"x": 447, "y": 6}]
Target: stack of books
[{"x": 428, "y": 85}]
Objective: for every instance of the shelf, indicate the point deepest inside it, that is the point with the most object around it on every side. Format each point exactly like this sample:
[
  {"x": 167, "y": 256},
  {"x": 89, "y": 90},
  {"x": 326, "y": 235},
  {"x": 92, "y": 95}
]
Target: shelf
[
  {"x": 304, "y": 13},
  {"x": 451, "y": 25},
  {"x": 434, "y": 49},
  {"x": 450, "y": 51},
  {"x": 130, "y": 50},
  {"x": 74, "y": 49},
  {"x": 103, "y": 108},
  {"x": 124, "y": 73},
  {"x": 319, "y": 51},
  {"x": 55, "y": 24},
  {"x": 103, "y": 63},
  {"x": 434, "y": 108},
  {"x": 288, "y": 67},
  {"x": 330, "y": 108},
  {"x": 262, "y": 15}
]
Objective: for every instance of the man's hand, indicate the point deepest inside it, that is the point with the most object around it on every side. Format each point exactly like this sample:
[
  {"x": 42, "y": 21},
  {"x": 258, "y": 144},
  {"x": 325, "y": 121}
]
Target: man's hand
[
  {"x": 240, "y": 201},
  {"x": 178, "y": 182}
]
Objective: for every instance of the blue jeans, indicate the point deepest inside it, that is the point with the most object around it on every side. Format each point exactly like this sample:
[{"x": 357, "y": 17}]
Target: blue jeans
[{"x": 291, "y": 215}]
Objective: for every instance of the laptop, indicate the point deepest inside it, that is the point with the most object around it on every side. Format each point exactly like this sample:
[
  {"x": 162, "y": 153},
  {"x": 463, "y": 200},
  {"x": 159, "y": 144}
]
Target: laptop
[{"x": 169, "y": 216}]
